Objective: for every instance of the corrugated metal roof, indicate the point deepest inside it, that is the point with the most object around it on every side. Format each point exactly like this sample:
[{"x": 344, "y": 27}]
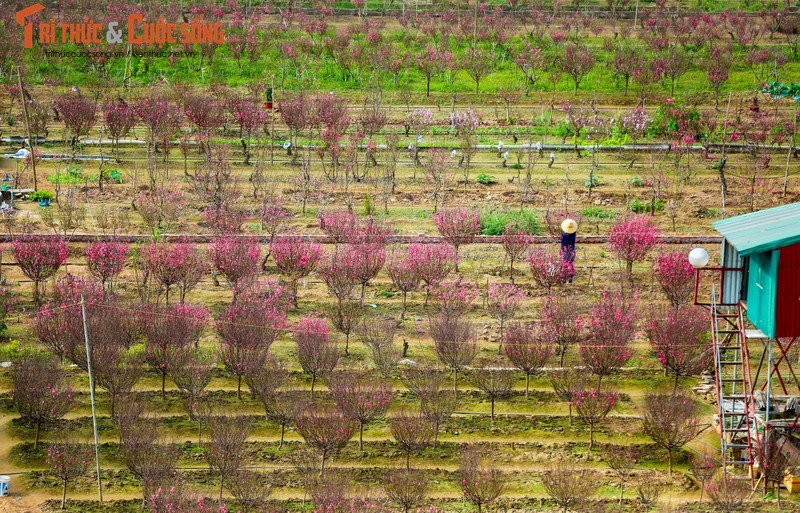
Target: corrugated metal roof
[{"x": 762, "y": 231}]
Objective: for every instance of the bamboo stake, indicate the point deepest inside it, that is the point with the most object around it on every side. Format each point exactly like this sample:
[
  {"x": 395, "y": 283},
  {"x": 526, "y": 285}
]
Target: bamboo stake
[{"x": 27, "y": 126}]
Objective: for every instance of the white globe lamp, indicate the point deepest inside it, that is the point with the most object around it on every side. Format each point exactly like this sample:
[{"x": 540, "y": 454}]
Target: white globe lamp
[{"x": 698, "y": 257}]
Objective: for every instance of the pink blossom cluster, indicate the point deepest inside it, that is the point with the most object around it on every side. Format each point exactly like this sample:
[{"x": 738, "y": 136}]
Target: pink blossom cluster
[
  {"x": 39, "y": 258},
  {"x": 294, "y": 256},
  {"x": 503, "y": 300},
  {"x": 611, "y": 324},
  {"x": 173, "y": 500},
  {"x": 676, "y": 276},
  {"x": 632, "y": 237},
  {"x": 161, "y": 208},
  {"x": 237, "y": 259},
  {"x": 105, "y": 260},
  {"x": 464, "y": 122},
  {"x": 432, "y": 262},
  {"x": 174, "y": 263},
  {"x": 548, "y": 269},
  {"x": 636, "y": 122},
  {"x": 453, "y": 298},
  {"x": 681, "y": 340},
  {"x": 458, "y": 226}
]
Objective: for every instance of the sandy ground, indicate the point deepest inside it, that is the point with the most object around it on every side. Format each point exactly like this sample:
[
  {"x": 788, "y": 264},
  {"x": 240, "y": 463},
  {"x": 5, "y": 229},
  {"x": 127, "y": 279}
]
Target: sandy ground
[{"x": 21, "y": 504}]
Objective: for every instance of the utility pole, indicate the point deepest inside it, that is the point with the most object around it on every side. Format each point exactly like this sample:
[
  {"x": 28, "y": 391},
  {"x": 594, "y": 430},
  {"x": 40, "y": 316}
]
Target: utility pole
[
  {"x": 27, "y": 126},
  {"x": 91, "y": 395}
]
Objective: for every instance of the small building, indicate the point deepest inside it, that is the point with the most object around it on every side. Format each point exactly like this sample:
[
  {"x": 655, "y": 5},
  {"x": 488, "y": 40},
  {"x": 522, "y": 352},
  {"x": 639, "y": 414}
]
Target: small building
[{"x": 761, "y": 267}]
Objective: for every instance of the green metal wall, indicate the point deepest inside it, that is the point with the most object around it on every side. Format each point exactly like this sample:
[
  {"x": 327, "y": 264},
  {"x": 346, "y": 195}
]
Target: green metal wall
[{"x": 761, "y": 291}]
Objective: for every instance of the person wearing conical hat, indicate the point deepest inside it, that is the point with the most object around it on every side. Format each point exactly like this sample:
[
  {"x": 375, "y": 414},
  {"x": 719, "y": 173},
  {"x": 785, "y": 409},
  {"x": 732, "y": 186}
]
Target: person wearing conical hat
[{"x": 569, "y": 228}]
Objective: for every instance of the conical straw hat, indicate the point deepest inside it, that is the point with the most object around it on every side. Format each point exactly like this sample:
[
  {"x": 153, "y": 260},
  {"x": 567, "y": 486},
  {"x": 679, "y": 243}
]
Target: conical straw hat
[{"x": 569, "y": 226}]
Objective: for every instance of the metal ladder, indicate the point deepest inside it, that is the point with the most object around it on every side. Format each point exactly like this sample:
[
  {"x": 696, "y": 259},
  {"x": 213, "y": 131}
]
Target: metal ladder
[{"x": 735, "y": 405}]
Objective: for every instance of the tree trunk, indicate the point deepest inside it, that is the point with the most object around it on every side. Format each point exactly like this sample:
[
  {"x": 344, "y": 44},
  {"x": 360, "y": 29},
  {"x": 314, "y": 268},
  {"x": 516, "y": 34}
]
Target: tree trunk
[
  {"x": 360, "y": 436},
  {"x": 492, "y": 410},
  {"x": 408, "y": 461},
  {"x": 283, "y": 429},
  {"x": 239, "y": 388},
  {"x": 64, "y": 496},
  {"x": 403, "y": 311},
  {"x": 163, "y": 384},
  {"x": 313, "y": 382},
  {"x": 527, "y": 384},
  {"x": 591, "y": 436},
  {"x": 322, "y": 466},
  {"x": 38, "y": 430},
  {"x": 669, "y": 462},
  {"x": 221, "y": 483}
]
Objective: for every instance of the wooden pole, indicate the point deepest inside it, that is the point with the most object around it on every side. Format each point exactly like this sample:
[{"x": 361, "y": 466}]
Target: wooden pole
[
  {"x": 272, "y": 123},
  {"x": 91, "y": 395},
  {"x": 28, "y": 127}
]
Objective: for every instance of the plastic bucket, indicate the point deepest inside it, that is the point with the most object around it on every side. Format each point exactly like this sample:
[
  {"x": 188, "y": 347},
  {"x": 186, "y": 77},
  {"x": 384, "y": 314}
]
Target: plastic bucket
[{"x": 4, "y": 482}]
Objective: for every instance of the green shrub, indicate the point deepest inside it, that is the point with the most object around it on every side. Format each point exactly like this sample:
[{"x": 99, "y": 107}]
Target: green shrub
[
  {"x": 598, "y": 213},
  {"x": 41, "y": 195},
  {"x": 112, "y": 175},
  {"x": 485, "y": 179},
  {"x": 595, "y": 181},
  {"x": 643, "y": 206},
  {"x": 11, "y": 350},
  {"x": 73, "y": 176},
  {"x": 494, "y": 222},
  {"x": 709, "y": 212},
  {"x": 369, "y": 206}
]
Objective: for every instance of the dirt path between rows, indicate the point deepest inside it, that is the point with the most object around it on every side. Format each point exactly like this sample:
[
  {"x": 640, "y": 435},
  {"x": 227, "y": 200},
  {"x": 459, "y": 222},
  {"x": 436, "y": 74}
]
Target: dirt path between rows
[{"x": 22, "y": 503}]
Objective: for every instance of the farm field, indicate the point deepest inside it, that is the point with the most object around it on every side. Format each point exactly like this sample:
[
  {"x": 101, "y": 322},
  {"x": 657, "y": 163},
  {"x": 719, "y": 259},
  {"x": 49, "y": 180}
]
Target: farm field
[{"x": 321, "y": 265}]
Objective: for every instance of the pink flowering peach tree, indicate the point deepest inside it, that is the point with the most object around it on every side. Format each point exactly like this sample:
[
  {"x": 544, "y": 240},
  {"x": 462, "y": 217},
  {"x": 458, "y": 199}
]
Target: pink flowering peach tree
[
  {"x": 515, "y": 244},
  {"x": 432, "y": 262},
  {"x": 592, "y": 407},
  {"x": 632, "y": 237},
  {"x": 295, "y": 258},
  {"x": 39, "y": 258},
  {"x": 238, "y": 260},
  {"x": 174, "y": 263},
  {"x": 548, "y": 269},
  {"x": 404, "y": 276},
  {"x": 106, "y": 260},
  {"x": 676, "y": 276},
  {"x": 361, "y": 398},
  {"x": 611, "y": 326},
  {"x": 503, "y": 301},
  {"x": 681, "y": 340},
  {"x": 458, "y": 226}
]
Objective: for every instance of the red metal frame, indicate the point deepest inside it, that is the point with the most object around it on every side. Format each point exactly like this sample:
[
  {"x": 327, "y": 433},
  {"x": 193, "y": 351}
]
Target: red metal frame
[
  {"x": 776, "y": 366},
  {"x": 721, "y": 270}
]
